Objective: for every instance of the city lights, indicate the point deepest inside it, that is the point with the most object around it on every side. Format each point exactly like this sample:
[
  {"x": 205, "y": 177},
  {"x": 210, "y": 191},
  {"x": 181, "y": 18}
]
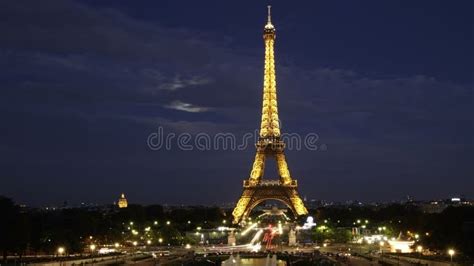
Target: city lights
[{"x": 252, "y": 226}]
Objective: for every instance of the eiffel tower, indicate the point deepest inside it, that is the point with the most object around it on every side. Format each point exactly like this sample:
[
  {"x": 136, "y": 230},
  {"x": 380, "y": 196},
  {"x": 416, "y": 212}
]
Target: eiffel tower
[{"x": 269, "y": 145}]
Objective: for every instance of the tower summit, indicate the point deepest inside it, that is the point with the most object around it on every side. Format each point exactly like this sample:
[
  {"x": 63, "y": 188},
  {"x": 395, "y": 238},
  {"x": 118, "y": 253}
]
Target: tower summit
[
  {"x": 269, "y": 145},
  {"x": 269, "y": 25}
]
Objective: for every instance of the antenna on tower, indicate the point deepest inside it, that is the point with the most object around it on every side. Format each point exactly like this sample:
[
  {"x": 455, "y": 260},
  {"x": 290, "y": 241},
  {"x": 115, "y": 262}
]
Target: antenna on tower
[
  {"x": 269, "y": 14},
  {"x": 269, "y": 25}
]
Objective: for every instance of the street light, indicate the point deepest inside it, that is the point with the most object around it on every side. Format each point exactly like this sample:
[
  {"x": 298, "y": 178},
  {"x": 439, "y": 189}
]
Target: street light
[
  {"x": 451, "y": 253},
  {"x": 117, "y": 245},
  {"x": 419, "y": 248},
  {"x": 61, "y": 251}
]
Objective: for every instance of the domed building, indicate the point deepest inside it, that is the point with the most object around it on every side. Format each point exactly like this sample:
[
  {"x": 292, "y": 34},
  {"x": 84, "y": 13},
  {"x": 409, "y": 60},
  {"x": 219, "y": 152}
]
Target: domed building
[{"x": 122, "y": 202}]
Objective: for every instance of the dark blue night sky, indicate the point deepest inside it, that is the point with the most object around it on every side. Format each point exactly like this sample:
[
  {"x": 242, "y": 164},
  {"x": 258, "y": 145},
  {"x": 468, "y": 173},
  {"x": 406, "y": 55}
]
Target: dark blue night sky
[{"x": 387, "y": 86}]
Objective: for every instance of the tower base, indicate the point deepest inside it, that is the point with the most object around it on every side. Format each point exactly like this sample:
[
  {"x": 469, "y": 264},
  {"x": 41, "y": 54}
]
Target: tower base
[{"x": 254, "y": 194}]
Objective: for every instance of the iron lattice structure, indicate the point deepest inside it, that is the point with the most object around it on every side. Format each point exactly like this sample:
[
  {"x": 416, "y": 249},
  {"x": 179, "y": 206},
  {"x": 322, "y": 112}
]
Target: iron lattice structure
[{"x": 269, "y": 145}]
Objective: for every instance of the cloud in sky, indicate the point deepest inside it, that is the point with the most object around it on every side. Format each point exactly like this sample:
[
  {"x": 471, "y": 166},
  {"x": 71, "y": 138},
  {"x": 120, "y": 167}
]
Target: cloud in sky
[
  {"x": 179, "y": 83},
  {"x": 186, "y": 107}
]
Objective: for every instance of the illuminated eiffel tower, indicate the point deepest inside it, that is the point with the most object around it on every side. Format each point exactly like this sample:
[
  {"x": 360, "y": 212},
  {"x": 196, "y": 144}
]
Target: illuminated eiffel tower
[{"x": 269, "y": 145}]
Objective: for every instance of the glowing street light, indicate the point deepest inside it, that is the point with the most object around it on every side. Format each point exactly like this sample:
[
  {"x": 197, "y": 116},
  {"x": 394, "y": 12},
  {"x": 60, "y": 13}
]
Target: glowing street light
[
  {"x": 135, "y": 243},
  {"x": 381, "y": 247},
  {"x": 419, "y": 249},
  {"x": 92, "y": 247},
  {"x": 148, "y": 242},
  {"x": 61, "y": 250},
  {"x": 168, "y": 222},
  {"x": 451, "y": 253},
  {"x": 160, "y": 240},
  {"x": 117, "y": 245},
  {"x": 188, "y": 246}
]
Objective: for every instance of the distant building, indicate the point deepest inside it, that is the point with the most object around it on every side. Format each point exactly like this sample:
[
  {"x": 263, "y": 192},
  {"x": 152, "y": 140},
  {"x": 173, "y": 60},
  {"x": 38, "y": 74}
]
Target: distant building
[{"x": 122, "y": 202}]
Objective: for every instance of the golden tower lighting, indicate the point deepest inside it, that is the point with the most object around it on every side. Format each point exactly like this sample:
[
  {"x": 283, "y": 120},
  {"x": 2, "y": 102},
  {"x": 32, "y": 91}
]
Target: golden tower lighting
[{"x": 269, "y": 145}]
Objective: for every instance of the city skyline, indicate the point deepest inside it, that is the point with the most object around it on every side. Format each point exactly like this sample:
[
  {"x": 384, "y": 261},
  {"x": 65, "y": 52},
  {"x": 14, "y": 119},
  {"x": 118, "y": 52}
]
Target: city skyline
[{"x": 387, "y": 90}]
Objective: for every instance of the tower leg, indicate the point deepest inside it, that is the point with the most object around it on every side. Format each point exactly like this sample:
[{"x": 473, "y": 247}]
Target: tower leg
[
  {"x": 242, "y": 205},
  {"x": 257, "y": 168},
  {"x": 283, "y": 169}
]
